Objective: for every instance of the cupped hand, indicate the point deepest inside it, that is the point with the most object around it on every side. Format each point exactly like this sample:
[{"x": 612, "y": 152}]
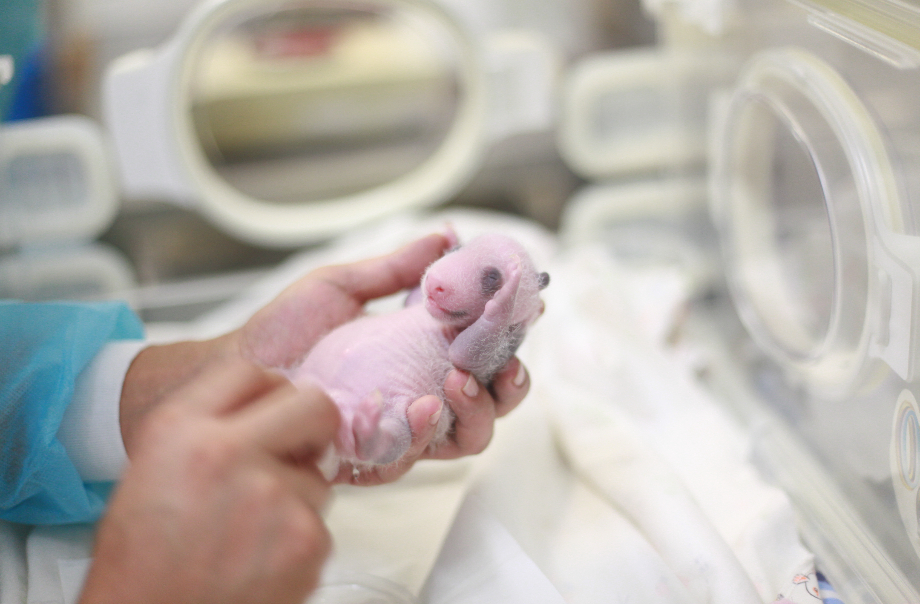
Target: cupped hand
[
  {"x": 475, "y": 409},
  {"x": 283, "y": 332}
]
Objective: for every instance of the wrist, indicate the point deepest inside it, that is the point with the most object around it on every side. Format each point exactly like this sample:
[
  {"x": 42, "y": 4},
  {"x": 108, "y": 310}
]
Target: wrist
[{"x": 160, "y": 369}]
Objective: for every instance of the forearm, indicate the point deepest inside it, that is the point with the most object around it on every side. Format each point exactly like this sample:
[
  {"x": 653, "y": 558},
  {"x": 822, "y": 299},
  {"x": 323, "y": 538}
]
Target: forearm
[{"x": 159, "y": 370}]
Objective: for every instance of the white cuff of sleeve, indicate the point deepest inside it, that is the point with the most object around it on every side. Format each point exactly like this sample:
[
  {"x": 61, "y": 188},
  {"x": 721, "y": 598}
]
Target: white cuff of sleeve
[{"x": 90, "y": 429}]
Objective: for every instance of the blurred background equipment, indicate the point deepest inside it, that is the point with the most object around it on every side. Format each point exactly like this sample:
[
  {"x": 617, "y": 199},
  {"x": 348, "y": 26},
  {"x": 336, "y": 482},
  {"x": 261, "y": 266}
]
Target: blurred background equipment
[
  {"x": 744, "y": 170},
  {"x": 387, "y": 88}
]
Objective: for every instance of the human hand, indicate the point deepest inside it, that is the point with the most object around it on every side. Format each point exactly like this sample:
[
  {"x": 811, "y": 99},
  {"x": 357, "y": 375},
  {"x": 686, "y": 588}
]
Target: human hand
[
  {"x": 475, "y": 409},
  {"x": 280, "y": 334},
  {"x": 283, "y": 332},
  {"x": 222, "y": 500}
]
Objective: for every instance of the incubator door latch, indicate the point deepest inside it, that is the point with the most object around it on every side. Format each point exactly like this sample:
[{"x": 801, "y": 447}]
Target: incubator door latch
[{"x": 897, "y": 262}]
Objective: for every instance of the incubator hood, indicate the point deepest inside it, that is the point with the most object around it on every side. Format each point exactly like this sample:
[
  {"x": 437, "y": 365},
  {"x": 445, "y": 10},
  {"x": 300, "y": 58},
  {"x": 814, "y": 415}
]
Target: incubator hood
[
  {"x": 797, "y": 121},
  {"x": 813, "y": 145},
  {"x": 286, "y": 122}
]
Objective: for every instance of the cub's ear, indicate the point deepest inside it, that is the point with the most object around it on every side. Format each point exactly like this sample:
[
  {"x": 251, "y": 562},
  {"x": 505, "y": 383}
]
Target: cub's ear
[
  {"x": 453, "y": 240},
  {"x": 543, "y": 280}
]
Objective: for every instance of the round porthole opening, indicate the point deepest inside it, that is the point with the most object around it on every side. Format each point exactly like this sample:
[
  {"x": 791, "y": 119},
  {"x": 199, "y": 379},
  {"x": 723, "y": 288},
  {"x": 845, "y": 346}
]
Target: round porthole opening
[
  {"x": 303, "y": 118},
  {"x": 799, "y": 166}
]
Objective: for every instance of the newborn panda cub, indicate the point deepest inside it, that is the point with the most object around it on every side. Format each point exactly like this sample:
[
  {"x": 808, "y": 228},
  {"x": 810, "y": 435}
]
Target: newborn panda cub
[{"x": 471, "y": 311}]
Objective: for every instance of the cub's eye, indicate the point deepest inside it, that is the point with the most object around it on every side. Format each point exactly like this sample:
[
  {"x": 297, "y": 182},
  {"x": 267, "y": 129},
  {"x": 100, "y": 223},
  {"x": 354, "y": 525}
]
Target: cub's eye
[{"x": 491, "y": 281}]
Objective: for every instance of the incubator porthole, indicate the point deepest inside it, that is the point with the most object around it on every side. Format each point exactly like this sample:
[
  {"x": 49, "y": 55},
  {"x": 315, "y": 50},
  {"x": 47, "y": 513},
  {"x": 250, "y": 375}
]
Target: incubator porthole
[
  {"x": 905, "y": 464},
  {"x": 783, "y": 248},
  {"x": 314, "y": 101},
  {"x": 798, "y": 172},
  {"x": 302, "y": 118},
  {"x": 907, "y": 439}
]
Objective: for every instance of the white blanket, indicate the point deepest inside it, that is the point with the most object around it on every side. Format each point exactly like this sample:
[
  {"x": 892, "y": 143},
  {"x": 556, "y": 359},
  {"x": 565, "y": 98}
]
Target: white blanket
[{"x": 619, "y": 479}]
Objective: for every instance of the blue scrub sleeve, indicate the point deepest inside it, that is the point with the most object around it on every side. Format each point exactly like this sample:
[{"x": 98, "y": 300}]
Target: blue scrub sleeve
[{"x": 43, "y": 348}]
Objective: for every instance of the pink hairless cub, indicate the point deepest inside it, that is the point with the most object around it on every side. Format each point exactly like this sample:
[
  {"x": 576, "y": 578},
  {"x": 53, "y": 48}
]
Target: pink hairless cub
[{"x": 471, "y": 311}]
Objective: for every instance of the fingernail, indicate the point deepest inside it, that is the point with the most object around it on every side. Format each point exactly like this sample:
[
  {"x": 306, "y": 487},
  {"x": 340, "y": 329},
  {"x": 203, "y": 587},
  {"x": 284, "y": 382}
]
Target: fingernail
[
  {"x": 434, "y": 417},
  {"x": 520, "y": 377},
  {"x": 471, "y": 388}
]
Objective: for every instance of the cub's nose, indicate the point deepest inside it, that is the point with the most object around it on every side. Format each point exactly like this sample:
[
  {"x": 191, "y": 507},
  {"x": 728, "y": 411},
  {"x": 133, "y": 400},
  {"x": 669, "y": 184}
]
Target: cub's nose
[{"x": 436, "y": 289}]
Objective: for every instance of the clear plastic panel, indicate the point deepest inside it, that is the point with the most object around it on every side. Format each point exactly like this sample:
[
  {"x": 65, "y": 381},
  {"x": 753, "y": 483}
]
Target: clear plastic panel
[
  {"x": 896, "y": 19},
  {"x": 315, "y": 100},
  {"x": 797, "y": 220},
  {"x": 784, "y": 265},
  {"x": 816, "y": 191}
]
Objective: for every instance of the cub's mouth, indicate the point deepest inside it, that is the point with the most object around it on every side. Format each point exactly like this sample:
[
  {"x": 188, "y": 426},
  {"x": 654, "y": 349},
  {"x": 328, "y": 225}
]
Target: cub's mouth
[{"x": 453, "y": 314}]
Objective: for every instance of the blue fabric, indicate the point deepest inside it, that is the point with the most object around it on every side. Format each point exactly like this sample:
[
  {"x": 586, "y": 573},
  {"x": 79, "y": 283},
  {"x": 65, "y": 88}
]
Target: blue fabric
[
  {"x": 43, "y": 348},
  {"x": 23, "y": 37},
  {"x": 29, "y": 98},
  {"x": 828, "y": 593}
]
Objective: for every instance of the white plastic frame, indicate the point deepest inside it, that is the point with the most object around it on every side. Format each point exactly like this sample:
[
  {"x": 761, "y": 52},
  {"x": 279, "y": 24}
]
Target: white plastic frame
[
  {"x": 76, "y": 219},
  {"x": 890, "y": 328},
  {"x": 661, "y": 132},
  {"x": 146, "y": 105}
]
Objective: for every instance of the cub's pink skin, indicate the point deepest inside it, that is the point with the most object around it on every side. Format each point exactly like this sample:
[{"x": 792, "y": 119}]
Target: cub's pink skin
[{"x": 470, "y": 311}]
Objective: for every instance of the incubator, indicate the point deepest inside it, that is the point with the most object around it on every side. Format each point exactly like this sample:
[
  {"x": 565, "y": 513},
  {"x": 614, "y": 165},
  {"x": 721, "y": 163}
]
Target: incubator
[
  {"x": 59, "y": 195},
  {"x": 725, "y": 400},
  {"x": 286, "y": 126},
  {"x": 813, "y": 191},
  {"x": 811, "y": 135}
]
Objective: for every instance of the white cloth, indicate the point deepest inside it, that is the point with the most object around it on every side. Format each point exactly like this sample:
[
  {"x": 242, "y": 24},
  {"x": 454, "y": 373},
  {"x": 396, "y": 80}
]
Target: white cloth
[
  {"x": 618, "y": 479},
  {"x": 482, "y": 562},
  {"x": 90, "y": 430},
  {"x": 638, "y": 428}
]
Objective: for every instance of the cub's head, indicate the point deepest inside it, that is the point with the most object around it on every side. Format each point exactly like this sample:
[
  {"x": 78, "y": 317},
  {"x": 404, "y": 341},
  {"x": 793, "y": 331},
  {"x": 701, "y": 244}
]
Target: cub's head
[{"x": 457, "y": 287}]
